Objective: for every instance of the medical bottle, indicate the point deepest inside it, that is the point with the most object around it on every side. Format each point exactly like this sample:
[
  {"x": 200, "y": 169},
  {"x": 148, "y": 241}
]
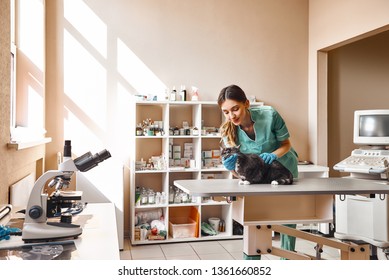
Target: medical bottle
[
  {"x": 163, "y": 198},
  {"x": 151, "y": 196},
  {"x": 143, "y": 197},
  {"x": 173, "y": 94},
  {"x": 183, "y": 93},
  {"x": 158, "y": 198},
  {"x": 171, "y": 194},
  {"x": 195, "y": 95}
]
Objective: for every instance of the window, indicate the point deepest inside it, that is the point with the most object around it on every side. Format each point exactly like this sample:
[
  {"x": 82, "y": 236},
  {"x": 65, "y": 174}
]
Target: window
[{"x": 27, "y": 70}]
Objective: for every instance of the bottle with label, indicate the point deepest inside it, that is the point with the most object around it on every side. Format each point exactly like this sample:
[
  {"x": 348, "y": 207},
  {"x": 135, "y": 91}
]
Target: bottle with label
[
  {"x": 163, "y": 198},
  {"x": 158, "y": 198},
  {"x": 166, "y": 94},
  {"x": 173, "y": 94},
  {"x": 195, "y": 94},
  {"x": 171, "y": 194},
  {"x": 143, "y": 197},
  {"x": 195, "y": 131},
  {"x": 139, "y": 130},
  {"x": 151, "y": 196},
  {"x": 183, "y": 93}
]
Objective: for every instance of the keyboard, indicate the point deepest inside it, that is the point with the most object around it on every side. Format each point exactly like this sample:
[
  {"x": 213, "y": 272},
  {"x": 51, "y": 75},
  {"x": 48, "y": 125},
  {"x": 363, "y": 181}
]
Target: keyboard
[{"x": 363, "y": 161}]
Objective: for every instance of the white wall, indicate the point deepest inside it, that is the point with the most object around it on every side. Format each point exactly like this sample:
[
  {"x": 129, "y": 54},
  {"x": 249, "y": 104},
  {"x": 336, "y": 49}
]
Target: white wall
[
  {"x": 334, "y": 23},
  {"x": 99, "y": 53}
]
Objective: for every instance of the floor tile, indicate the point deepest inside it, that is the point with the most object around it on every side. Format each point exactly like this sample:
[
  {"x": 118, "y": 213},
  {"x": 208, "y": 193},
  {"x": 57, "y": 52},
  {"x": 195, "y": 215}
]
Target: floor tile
[
  {"x": 232, "y": 245},
  {"x": 213, "y": 250},
  {"x": 125, "y": 255},
  {"x": 208, "y": 249},
  {"x": 147, "y": 252},
  {"x": 177, "y": 249}
]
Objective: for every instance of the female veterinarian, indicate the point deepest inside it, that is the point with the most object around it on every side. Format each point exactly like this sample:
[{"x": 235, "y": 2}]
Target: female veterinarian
[{"x": 259, "y": 130}]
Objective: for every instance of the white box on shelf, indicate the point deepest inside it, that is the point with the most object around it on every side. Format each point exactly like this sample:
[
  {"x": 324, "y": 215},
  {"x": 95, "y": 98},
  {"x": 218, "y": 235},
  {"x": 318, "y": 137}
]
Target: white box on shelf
[{"x": 182, "y": 227}]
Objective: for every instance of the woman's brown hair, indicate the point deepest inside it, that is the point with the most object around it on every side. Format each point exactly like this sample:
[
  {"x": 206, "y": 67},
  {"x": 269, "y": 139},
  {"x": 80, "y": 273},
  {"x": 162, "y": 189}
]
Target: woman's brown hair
[{"x": 228, "y": 129}]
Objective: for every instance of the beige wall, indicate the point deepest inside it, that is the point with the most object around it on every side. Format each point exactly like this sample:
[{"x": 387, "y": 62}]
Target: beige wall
[
  {"x": 333, "y": 23},
  {"x": 358, "y": 80},
  {"x": 100, "y": 53},
  {"x": 260, "y": 45}
]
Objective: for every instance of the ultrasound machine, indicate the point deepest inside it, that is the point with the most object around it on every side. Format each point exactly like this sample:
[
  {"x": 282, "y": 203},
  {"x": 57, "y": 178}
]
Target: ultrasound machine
[{"x": 358, "y": 217}]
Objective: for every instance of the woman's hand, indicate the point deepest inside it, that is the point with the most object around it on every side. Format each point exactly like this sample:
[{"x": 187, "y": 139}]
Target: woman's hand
[
  {"x": 229, "y": 163},
  {"x": 268, "y": 157}
]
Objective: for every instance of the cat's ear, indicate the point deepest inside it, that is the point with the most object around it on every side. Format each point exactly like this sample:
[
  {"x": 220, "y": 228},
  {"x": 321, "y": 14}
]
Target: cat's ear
[{"x": 238, "y": 147}]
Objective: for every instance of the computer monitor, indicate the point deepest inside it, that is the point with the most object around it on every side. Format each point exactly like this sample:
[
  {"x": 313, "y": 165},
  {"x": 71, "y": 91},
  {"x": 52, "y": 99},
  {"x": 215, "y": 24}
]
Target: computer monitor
[{"x": 371, "y": 127}]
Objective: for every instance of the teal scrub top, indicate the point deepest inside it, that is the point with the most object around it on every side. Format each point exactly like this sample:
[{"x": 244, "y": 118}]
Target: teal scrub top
[{"x": 270, "y": 130}]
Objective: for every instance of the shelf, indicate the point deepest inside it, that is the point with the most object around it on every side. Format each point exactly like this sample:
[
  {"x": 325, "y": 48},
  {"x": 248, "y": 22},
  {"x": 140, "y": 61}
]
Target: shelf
[
  {"x": 214, "y": 203},
  {"x": 150, "y": 171},
  {"x": 188, "y": 239},
  {"x": 28, "y": 144},
  {"x": 151, "y": 206},
  {"x": 151, "y": 137},
  {"x": 184, "y": 170},
  {"x": 214, "y": 169},
  {"x": 183, "y": 204},
  {"x": 210, "y": 136},
  {"x": 197, "y": 114},
  {"x": 184, "y": 136}
]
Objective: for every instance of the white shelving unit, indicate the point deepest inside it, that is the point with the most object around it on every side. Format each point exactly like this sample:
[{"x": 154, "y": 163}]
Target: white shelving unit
[{"x": 170, "y": 114}]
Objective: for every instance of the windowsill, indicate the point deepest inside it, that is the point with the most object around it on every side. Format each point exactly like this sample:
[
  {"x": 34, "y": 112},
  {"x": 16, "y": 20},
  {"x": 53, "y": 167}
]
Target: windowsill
[{"x": 28, "y": 144}]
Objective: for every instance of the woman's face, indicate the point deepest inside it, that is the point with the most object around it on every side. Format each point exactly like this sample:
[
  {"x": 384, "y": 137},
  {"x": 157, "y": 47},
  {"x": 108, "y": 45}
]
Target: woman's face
[{"x": 235, "y": 111}]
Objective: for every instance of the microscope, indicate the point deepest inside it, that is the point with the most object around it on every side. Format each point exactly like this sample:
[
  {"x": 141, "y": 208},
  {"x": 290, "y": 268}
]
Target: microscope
[{"x": 42, "y": 206}]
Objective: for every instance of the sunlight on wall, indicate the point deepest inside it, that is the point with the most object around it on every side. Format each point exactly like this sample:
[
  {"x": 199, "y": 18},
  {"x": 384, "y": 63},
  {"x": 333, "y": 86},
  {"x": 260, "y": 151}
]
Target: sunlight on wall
[
  {"x": 31, "y": 36},
  {"x": 136, "y": 73},
  {"x": 85, "y": 21},
  {"x": 29, "y": 108},
  {"x": 85, "y": 82},
  {"x": 83, "y": 138},
  {"x": 36, "y": 106},
  {"x": 96, "y": 104},
  {"x": 85, "y": 77}
]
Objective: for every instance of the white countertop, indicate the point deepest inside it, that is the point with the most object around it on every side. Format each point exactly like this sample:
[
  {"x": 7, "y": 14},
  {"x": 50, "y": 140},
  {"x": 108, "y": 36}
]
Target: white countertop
[
  {"x": 303, "y": 186},
  {"x": 99, "y": 239}
]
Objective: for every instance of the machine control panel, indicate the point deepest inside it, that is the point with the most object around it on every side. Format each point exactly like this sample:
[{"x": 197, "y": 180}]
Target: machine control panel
[{"x": 365, "y": 161}]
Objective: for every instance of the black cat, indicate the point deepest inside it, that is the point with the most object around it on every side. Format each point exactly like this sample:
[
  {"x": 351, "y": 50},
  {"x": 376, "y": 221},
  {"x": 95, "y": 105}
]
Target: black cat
[{"x": 253, "y": 170}]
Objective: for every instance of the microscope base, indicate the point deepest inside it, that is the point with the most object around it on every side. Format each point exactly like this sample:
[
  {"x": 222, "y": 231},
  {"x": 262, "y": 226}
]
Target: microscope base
[{"x": 38, "y": 232}]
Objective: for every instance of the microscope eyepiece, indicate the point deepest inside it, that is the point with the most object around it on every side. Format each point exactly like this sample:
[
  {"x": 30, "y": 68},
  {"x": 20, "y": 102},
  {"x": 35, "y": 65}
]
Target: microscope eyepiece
[
  {"x": 67, "y": 149},
  {"x": 88, "y": 161}
]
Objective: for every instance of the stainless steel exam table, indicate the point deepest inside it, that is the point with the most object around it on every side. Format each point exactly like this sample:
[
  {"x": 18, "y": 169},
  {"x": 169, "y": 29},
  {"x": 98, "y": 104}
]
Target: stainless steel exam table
[{"x": 264, "y": 208}]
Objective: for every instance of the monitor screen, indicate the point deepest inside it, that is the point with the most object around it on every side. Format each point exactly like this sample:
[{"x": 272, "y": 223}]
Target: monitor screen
[{"x": 371, "y": 127}]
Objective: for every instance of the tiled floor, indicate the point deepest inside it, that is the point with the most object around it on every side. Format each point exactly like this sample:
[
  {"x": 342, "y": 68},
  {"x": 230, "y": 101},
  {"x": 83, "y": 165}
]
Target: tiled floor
[{"x": 210, "y": 250}]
